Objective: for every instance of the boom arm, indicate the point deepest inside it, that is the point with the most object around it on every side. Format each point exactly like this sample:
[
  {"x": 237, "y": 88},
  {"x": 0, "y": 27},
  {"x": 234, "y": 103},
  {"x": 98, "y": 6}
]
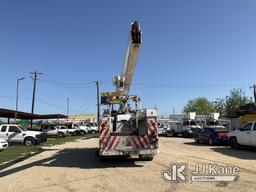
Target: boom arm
[{"x": 123, "y": 82}]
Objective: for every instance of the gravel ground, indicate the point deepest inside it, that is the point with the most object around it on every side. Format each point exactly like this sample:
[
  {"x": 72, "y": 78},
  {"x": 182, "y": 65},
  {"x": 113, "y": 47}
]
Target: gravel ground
[{"x": 73, "y": 167}]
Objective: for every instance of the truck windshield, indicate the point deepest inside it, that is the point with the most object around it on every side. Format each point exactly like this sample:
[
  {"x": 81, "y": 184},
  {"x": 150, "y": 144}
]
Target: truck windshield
[{"x": 22, "y": 128}]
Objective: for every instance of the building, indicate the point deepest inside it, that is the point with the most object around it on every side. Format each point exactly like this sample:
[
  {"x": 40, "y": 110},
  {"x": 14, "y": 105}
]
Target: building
[{"x": 81, "y": 118}]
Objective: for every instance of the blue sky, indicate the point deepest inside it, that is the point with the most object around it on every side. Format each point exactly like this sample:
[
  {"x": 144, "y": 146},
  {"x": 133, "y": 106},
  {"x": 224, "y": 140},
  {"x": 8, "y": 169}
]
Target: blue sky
[{"x": 190, "y": 49}]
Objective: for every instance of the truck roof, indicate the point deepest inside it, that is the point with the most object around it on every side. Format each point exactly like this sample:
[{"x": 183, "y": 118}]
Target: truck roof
[{"x": 10, "y": 125}]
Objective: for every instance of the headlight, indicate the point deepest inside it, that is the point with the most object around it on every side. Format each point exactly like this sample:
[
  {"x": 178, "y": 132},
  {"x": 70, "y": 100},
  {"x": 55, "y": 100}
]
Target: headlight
[{"x": 3, "y": 142}]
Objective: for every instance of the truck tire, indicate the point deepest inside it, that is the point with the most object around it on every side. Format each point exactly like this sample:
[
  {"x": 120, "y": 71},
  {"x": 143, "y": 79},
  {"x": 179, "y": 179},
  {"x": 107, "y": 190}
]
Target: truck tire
[
  {"x": 61, "y": 135},
  {"x": 185, "y": 134},
  {"x": 29, "y": 141},
  {"x": 196, "y": 139},
  {"x": 146, "y": 158},
  {"x": 93, "y": 132},
  {"x": 233, "y": 143},
  {"x": 211, "y": 141},
  {"x": 171, "y": 133},
  {"x": 105, "y": 159},
  {"x": 82, "y": 132},
  {"x": 97, "y": 153}
]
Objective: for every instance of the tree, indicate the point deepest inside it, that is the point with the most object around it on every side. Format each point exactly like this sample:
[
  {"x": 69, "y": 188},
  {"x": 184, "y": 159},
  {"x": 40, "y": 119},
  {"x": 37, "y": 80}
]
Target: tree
[
  {"x": 200, "y": 105},
  {"x": 23, "y": 122},
  {"x": 220, "y": 107},
  {"x": 234, "y": 101}
]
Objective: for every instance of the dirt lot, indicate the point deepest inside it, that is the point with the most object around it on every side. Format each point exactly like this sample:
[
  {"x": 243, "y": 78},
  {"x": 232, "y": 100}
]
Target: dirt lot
[{"x": 73, "y": 167}]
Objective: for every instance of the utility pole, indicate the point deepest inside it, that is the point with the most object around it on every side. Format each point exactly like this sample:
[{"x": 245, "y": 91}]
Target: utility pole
[
  {"x": 98, "y": 102},
  {"x": 254, "y": 92},
  {"x": 67, "y": 108},
  {"x": 35, "y": 78},
  {"x": 173, "y": 112}
]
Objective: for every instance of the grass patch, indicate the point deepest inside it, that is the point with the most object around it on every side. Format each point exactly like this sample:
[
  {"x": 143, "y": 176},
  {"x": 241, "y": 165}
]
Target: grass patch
[
  {"x": 15, "y": 151},
  {"x": 59, "y": 141},
  {"x": 12, "y": 152}
]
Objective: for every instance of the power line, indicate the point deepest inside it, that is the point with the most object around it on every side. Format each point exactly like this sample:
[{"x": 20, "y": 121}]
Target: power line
[
  {"x": 50, "y": 104},
  {"x": 72, "y": 89},
  {"x": 86, "y": 100},
  {"x": 68, "y": 83}
]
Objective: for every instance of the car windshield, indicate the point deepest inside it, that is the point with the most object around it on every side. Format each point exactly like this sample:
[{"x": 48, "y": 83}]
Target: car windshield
[{"x": 22, "y": 128}]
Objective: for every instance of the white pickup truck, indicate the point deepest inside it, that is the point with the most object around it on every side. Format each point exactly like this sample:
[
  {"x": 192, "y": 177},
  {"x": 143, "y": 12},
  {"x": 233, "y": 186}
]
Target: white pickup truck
[
  {"x": 246, "y": 136},
  {"x": 175, "y": 128},
  {"x": 17, "y": 134},
  {"x": 92, "y": 128}
]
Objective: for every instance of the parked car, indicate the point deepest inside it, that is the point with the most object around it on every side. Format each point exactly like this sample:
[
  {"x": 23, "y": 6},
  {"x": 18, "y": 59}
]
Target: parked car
[
  {"x": 17, "y": 134},
  {"x": 92, "y": 128},
  {"x": 83, "y": 128},
  {"x": 245, "y": 136},
  {"x": 54, "y": 130},
  {"x": 3, "y": 144},
  {"x": 212, "y": 135},
  {"x": 73, "y": 129}
]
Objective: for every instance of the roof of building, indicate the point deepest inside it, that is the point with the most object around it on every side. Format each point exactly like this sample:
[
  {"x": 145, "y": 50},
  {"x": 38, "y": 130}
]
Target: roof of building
[
  {"x": 7, "y": 113},
  {"x": 82, "y": 116}
]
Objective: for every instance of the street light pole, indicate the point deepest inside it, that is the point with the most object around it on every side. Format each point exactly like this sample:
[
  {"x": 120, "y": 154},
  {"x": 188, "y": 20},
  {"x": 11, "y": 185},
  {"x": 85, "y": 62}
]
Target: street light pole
[{"x": 17, "y": 96}]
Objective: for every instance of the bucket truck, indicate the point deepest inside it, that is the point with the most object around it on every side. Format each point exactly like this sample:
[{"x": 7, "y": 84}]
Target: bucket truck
[{"x": 125, "y": 131}]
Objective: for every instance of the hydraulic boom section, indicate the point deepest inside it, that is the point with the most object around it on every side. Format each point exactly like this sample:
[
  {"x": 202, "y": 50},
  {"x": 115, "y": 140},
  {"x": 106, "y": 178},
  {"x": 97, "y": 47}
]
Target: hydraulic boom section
[{"x": 123, "y": 82}]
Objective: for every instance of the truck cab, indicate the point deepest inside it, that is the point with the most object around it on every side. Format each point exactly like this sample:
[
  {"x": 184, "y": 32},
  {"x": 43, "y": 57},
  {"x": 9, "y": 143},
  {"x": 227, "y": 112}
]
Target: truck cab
[
  {"x": 17, "y": 134},
  {"x": 245, "y": 136}
]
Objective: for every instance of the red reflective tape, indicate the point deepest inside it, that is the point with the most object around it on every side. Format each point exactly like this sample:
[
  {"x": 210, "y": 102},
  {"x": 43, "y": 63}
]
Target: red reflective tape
[
  {"x": 107, "y": 141},
  {"x": 129, "y": 143},
  {"x": 145, "y": 140},
  {"x": 141, "y": 144},
  {"x": 116, "y": 144},
  {"x": 103, "y": 126},
  {"x": 112, "y": 142},
  {"x": 149, "y": 127},
  {"x": 134, "y": 142},
  {"x": 104, "y": 135}
]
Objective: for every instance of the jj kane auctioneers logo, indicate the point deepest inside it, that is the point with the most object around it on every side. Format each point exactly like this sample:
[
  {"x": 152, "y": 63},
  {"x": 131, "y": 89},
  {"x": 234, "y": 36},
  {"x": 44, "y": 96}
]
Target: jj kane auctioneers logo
[{"x": 178, "y": 172}]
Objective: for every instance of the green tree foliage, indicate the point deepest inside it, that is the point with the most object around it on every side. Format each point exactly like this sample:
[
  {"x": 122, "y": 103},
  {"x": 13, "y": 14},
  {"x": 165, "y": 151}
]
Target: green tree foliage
[
  {"x": 23, "y": 122},
  {"x": 220, "y": 107},
  {"x": 227, "y": 107},
  {"x": 234, "y": 101},
  {"x": 200, "y": 105}
]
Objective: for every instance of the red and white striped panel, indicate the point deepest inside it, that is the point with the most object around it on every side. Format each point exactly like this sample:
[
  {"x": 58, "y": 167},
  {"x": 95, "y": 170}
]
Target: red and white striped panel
[
  {"x": 104, "y": 131},
  {"x": 153, "y": 133},
  {"x": 119, "y": 142}
]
